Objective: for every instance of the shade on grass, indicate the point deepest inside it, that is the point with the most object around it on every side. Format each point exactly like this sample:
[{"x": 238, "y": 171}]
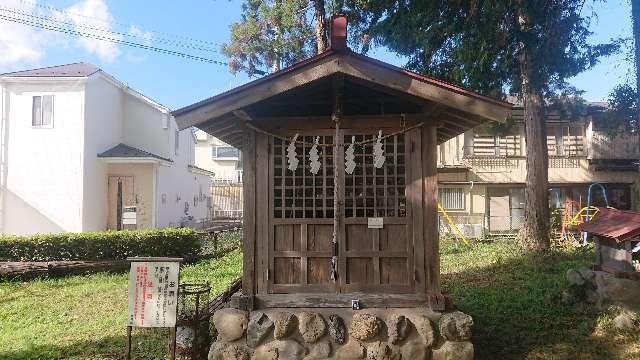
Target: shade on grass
[{"x": 515, "y": 300}]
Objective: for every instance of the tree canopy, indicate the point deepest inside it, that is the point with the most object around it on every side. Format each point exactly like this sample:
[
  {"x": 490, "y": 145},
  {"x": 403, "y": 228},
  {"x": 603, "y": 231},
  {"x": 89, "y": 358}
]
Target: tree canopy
[{"x": 526, "y": 48}]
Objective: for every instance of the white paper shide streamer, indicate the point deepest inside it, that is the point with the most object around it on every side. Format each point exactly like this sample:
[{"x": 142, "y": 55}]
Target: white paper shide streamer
[
  {"x": 314, "y": 157},
  {"x": 349, "y": 157},
  {"x": 292, "y": 157},
  {"x": 378, "y": 152}
]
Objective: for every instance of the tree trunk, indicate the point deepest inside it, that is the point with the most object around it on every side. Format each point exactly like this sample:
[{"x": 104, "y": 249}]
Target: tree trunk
[
  {"x": 534, "y": 234},
  {"x": 321, "y": 26}
]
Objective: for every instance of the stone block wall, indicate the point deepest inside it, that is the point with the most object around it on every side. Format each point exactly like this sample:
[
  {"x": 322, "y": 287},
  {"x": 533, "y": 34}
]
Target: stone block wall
[{"x": 309, "y": 334}]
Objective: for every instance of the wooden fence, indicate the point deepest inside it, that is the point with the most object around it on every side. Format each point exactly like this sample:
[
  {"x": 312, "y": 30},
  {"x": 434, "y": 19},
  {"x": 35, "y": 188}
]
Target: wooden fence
[{"x": 226, "y": 200}]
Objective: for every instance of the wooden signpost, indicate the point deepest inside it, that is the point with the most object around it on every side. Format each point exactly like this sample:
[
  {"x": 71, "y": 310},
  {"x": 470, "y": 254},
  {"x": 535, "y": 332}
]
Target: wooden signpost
[{"x": 153, "y": 296}]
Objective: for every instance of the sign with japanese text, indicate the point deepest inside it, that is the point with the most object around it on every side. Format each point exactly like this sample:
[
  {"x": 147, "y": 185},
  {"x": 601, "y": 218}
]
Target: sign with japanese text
[{"x": 153, "y": 293}]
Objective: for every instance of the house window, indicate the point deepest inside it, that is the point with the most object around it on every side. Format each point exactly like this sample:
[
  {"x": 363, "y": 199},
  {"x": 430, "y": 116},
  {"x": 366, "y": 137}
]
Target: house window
[
  {"x": 225, "y": 152},
  {"x": 451, "y": 198},
  {"x": 42, "y": 111}
]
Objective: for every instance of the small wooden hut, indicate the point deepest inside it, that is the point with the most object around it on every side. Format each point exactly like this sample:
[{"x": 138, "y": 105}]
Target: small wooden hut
[
  {"x": 617, "y": 237},
  {"x": 335, "y": 239}
]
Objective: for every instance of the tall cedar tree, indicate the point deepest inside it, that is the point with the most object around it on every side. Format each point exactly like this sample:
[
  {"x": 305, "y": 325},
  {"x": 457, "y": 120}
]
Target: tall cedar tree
[
  {"x": 275, "y": 34},
  {"x": 524, "y": 47}
]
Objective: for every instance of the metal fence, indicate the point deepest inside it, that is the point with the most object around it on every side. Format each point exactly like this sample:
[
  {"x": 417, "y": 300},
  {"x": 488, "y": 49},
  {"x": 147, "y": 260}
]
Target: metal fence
[{"x": 478, "y": 226}]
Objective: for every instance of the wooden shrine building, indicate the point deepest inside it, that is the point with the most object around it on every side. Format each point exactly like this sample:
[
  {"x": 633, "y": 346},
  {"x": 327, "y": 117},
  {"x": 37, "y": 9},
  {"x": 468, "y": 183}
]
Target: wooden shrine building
[{"x": 325, "y": 239}]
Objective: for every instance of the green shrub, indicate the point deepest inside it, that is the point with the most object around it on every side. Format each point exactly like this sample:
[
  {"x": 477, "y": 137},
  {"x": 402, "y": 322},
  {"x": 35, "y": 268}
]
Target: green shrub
[{"x": 105, "y": 245}]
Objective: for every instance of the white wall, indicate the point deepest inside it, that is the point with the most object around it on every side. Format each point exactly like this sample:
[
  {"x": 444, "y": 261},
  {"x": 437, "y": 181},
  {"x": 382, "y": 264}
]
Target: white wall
[
  {"x": 143, "y": 127},
  {"x": 56, "y": 182},
  {"x": 103, "y": 130},
  {"x": 176, "y": 185},
  {"x": 44, "y": 166},
  {"x": 224, "y": 169}
]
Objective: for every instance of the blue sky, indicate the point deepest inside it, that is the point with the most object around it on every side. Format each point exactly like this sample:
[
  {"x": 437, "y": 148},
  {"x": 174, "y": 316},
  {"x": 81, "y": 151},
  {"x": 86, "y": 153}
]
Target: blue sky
[{"x": 178, "y": 82}]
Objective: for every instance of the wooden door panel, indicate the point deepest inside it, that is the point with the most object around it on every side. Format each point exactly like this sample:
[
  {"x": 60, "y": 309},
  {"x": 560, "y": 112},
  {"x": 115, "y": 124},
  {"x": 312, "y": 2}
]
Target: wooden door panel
[
  {"x": 318, "y": 270},
  {"x": 393, "y": 237},
  {"x": 287, "y": 238},
  {"x": 287, "y": 270},
  {"x": 360, "y": 271},
  {"x": 393, "y": 271},
  {"x": 319, "y": 237},
  {"x": 359, "y": 237}
]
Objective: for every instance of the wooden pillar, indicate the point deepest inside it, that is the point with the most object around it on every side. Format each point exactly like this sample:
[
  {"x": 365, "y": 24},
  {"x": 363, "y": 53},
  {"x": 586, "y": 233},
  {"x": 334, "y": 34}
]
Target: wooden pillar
[
  {"x": 413, "y": 144},
  {"x": 338, "y": 245},
  {"x": 249, "y": 207},
  {"x": 430, "y": 209}
]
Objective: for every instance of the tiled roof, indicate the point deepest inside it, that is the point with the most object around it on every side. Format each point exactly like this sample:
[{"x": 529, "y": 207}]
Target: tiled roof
[
  {"x": 126, "y": 151},
  {"x": 615, "y": 224},
  {"x": 196, "y": 168},
  {"x": 68, "y": 70}
]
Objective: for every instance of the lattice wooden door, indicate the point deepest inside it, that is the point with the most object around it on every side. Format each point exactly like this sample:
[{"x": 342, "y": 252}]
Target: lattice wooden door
[{"x": 302, "y": 219}]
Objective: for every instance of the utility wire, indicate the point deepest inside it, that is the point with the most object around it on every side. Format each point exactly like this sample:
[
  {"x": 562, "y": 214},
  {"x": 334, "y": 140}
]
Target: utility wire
[
  {"x": 108, "y": 39},
  {"x": 108, "y": 31},
  {"x": 106, "y": 21}
]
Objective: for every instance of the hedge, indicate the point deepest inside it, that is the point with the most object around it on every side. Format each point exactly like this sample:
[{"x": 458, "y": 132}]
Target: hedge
[{"x": 105, "y": 245}]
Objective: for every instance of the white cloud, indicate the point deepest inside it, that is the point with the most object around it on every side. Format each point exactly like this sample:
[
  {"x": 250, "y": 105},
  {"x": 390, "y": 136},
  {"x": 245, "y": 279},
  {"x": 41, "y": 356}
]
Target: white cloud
[
  {"x": 20, "y": 43},
  {"x": 88, "y": 16},
  {"x": 145, "y": 36},
  {"x": 23, "y": 46}
]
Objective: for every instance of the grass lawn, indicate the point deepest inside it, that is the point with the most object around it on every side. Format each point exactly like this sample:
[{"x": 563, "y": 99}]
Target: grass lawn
[
  {"x": 514, "y": 299},
  {"x": 84, "y": 317}
]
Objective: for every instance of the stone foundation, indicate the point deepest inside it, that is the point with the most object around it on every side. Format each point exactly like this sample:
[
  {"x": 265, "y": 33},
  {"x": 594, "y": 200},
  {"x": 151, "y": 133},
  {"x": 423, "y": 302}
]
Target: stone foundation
[{"x": 309, "y": 334}]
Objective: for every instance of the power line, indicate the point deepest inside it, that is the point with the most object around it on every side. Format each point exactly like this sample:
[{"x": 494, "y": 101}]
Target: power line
[
  {"x": 108, "y": 39},
  {"x": 106, "y": 21},
  {"x": 109, "y": 31}
]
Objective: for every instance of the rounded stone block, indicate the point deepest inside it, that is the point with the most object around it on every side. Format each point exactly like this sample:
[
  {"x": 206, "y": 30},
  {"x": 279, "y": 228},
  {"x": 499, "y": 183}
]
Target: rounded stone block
[
  {"x": 353, "y": 350},
  {"x": 230, "y": 324},
  {"x": 398, "y": 327},
  {"x": 364, "y": 326},
  {"x": 337, "y": 329},
  {"x": 283, "y": 324},
  {"x": 259, "y": 327},
  {"x": 311, "y": 326},
  {"x": 414, "y": 350},
  {"x": 378, "y": 350},
  {"x": 319, "y": 351},
  {"x": 425, "y": 330},
  {"x": 454, "y": 350},
  {"x": 225, "y": 351},
  {"x": 456, "y": 326},
  {"x": 280, "y": 350}
]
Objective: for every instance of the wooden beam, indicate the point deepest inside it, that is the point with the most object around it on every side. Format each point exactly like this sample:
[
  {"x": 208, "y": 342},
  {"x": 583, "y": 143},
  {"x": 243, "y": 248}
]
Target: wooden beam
[
  {"x": 380, "y": 74},
  {"x": 430, "y": 210},
  {"x": 242, "y": 115},
  {"x": 249, "y": 215},
  {"x": 390, "y": 78},
  {"x": 367, "y": 301},
  {"x": 469, "y": 120}
]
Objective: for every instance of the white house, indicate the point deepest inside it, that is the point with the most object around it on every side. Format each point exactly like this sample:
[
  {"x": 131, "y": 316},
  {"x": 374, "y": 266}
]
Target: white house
[
  {"x": 81, "y": 151},
  {"x": 224, "y": 160}
]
